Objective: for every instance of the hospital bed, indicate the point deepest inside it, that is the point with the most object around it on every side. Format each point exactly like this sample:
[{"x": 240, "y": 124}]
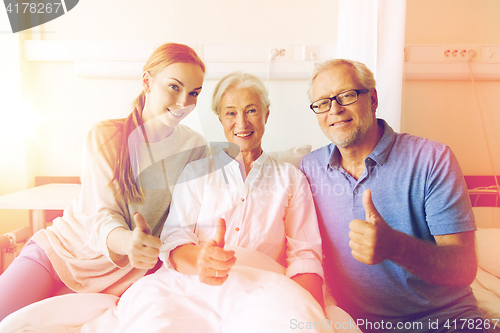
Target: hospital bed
[{"x": 486, "y": 286}]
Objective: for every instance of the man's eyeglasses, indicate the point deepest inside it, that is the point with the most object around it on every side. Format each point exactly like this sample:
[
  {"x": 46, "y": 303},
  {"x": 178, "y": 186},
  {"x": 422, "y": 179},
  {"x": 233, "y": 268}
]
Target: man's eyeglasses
[{"x": 343, "y": 99}]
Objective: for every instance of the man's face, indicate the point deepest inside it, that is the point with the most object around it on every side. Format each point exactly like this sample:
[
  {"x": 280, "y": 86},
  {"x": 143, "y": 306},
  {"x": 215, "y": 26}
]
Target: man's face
[{"x": 346, "y": 126}]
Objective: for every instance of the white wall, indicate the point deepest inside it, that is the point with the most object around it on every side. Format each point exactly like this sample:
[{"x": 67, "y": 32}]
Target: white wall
[
  {"x": 67, "y": 105},
  {"x": 241, "y": 21}
]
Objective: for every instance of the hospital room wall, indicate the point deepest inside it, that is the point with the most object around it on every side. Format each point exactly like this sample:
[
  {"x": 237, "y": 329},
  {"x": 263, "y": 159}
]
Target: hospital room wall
[
  {"x": 66, "y": 106},
  {"x": 450, "y": 111}
]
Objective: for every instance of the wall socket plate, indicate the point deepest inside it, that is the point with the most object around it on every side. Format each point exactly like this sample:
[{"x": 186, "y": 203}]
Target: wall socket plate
[
  {"x": 460, "y": 52},
  {"x": 285, "y": 52},
  {"x": 310, "y": 52},
  {"x": 491, "y": 53}
]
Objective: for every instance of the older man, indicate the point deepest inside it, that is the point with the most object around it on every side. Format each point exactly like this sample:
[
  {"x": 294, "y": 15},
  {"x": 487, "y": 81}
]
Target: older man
[{"x": 394, "y": 212}]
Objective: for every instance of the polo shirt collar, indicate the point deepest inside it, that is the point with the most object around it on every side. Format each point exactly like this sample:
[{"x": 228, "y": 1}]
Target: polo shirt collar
[
  {"x": 383, "y": 147},
  {"x": 334, "y": 162},
  {"x": 379, "y": 154}
]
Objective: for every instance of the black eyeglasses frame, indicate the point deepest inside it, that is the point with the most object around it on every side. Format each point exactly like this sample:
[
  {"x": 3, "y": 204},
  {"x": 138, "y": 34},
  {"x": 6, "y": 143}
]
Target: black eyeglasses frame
[{"x": 358, "y": 92}]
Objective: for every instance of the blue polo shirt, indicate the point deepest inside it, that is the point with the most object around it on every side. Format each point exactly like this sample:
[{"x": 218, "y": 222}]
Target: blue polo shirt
[{"x": 418, "y": 188}]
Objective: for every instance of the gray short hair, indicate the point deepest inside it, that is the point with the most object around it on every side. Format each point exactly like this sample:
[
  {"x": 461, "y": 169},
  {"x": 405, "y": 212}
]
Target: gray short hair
[
  {"x": 364, "y": 75},
  {"x": 237, "y": 80}
]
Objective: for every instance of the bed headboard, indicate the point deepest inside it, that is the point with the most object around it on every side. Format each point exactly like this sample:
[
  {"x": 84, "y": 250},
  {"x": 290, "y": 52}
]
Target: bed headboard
[
  {"x": 483, "y": 191},
  {"x": 485, "y": 200}
]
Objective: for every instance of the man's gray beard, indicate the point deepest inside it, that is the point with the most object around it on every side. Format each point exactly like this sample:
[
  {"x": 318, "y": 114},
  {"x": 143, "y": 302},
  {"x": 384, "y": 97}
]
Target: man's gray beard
[
  {"x": 351, "y": 139},
  {"x": 357, "y": 134}
]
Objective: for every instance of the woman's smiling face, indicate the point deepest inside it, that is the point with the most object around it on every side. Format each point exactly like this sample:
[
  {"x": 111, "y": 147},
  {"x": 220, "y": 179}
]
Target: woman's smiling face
[
  {"x": 172, "y": 92},
  {"x": 244, "y": 119}
]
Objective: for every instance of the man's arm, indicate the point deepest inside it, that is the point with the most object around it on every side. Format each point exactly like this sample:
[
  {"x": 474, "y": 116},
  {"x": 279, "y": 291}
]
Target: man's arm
[{"x": 451, "y": 261}]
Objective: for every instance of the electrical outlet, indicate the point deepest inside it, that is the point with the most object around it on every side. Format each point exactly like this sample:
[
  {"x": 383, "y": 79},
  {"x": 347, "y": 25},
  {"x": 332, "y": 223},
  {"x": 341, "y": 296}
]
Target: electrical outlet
[
  {"x": 283, "y": 52},
  {"x": 491, "y": 54},
  {"x": 460, "y": 53},
  {"x": 310, "y": 52}
]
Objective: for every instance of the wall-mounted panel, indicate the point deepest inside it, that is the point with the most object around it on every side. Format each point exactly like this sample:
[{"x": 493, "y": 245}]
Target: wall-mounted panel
[
  {"x": 452, "y": 62},
  {"x": 276, "y": 61}
]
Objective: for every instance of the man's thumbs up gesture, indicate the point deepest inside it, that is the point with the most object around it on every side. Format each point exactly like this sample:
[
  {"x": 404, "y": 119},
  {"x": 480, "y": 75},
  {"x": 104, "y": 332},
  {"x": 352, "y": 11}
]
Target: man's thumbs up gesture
[
  {"x": 371, "y": 240},
  {"x": 213, "y": 263}
]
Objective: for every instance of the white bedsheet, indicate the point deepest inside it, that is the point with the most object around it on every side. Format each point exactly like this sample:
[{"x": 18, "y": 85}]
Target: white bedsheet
[
  {"x": 257, "y": 297},
  {"x": 59, "y": 314},
  {"x": 486, "y": 288}
]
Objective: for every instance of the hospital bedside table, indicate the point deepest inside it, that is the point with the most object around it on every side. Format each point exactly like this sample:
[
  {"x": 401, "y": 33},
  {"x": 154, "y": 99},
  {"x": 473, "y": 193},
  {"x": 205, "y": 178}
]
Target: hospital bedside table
[{"x": 40, "y": 198}]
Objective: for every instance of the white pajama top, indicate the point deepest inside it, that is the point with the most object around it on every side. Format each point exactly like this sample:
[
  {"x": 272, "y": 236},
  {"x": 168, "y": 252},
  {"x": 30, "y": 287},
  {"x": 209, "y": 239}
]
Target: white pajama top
[{"x": 272, "y": 211}]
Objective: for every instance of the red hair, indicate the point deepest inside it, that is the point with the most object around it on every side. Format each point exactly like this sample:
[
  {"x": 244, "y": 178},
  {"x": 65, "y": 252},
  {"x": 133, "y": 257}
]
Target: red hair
[{"x": 165, "y": 55}]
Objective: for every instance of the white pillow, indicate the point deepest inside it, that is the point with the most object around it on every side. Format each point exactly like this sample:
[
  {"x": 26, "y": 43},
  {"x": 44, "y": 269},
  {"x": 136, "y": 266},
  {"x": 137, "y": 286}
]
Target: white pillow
[
  {"x": 488, "y": 249},
  {"x": 292, "y": 155}
]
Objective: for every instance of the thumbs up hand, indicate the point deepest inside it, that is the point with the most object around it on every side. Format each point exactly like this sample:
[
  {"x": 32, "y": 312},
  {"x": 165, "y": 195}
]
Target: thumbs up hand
[
  {"x": 372, "y": 241},
  {"x": 143, "y": 248},
  {"x": 213, "y": 263},
  {"x": 220, "y": 233}
]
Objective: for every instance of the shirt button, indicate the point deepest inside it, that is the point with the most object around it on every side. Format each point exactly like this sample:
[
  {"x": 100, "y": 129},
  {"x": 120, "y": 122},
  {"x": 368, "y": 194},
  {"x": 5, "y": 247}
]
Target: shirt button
[
  {"x": 242, "y": 199},
  {"x": 236, "y": 229},
  {"x": 355, "y": 192}
]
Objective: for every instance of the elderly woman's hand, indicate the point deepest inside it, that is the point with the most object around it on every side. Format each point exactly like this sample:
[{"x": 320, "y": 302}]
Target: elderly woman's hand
[{"x": 213, "y": 263}]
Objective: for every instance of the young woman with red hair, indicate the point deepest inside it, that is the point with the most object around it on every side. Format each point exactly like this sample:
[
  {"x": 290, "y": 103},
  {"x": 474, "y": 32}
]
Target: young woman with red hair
[{"x": 108, "y": 237}]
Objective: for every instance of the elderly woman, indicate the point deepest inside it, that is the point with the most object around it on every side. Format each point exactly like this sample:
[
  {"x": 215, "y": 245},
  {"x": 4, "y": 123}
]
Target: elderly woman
[
  {"x": 234, "y": 217},
  {"x": 266, "y": 204}
]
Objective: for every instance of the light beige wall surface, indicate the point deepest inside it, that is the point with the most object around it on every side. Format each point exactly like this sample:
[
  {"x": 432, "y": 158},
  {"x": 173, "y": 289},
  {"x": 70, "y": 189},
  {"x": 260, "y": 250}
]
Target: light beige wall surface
[
  {"x": 450, "y": 111},
  {"x": 215, "y": 21},
  {"x": 452, "y": 22}
]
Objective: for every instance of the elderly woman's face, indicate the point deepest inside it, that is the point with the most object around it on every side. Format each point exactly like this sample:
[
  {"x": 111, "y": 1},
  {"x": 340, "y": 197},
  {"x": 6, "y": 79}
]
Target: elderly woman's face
[{"x": 244, "y": 118}]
